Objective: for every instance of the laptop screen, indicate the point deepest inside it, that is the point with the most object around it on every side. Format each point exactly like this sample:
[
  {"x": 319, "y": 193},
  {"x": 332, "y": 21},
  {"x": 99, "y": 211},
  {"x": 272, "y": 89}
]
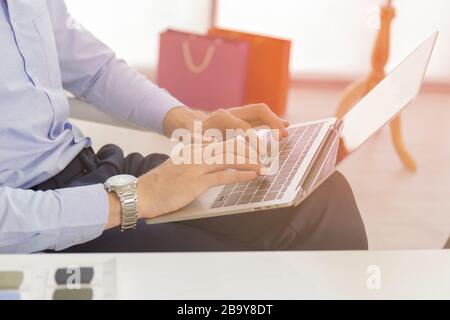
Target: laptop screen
[{"x": 386, "y": 100}]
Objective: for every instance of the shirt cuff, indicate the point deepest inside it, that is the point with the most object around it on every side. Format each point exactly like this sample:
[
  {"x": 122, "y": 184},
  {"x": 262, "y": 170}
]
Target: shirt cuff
[
  {"x": 86, "y": 213},
  {"x": 154, "y": 108}
]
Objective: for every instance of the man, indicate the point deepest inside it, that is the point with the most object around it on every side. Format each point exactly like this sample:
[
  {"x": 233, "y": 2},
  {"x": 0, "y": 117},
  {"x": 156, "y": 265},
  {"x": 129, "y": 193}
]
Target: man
[{"x": 52, "y": 195}]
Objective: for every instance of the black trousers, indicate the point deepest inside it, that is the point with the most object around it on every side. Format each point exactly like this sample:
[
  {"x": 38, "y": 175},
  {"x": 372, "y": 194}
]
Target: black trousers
[{"x": 328, "y": 220}]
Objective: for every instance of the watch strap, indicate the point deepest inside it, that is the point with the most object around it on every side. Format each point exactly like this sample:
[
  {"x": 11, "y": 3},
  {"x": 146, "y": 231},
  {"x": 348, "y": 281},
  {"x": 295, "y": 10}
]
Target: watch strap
[{"x": 128, "y": 201}]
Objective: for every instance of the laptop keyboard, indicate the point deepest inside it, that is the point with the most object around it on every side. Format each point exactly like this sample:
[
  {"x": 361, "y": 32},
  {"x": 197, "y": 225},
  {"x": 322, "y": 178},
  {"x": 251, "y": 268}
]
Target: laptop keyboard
[{"x": 293, "y": 151}]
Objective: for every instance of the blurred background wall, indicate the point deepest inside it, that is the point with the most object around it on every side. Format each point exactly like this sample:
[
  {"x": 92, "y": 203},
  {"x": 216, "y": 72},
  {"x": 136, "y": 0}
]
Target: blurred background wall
[{"x": 331, "y": 39}]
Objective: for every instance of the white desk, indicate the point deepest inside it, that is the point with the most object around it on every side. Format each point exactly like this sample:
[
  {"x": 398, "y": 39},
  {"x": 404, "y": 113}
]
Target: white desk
[{"x": 299, "y": 275}]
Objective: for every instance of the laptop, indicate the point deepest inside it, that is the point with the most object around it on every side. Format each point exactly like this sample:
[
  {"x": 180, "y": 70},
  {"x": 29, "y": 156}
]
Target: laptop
[{"x": 314, "y": 150}]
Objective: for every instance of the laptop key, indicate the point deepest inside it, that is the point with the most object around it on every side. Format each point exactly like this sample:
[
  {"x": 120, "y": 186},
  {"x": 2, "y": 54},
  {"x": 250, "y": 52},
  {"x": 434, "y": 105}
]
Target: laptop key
[
  {"x": 264, "y": 185},
  {"x": 245, "y": 199},
  {"x": 239, "y": 189},
  {"x": 218, "y": 204},
  {"x": 257, "y": 199},
  {"x": 260, "y": 194},
  {"x": 254, "y": 184},
  {"x": 269, "y": 179},
  {"x": 275, "y": 188},
  {"x": 279, "y": 180},
  {"x": 250, "y": 190},
  {"x": 263, "y": 189},
  {"x": 232, "y": 200},
  {"x": 271, "y": 196},
  {"x": 222, "y": 198}
]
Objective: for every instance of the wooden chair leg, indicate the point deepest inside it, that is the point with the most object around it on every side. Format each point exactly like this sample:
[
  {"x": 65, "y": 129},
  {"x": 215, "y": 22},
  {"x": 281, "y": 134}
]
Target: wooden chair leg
[
  {"x": 397, "y": 139},
  {"x": 352, "y": 95},
  {"x": 359, "y": 89}
]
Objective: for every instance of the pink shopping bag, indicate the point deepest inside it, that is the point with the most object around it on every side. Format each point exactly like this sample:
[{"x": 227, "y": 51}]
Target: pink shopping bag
[{"x": 203, "y": 72}]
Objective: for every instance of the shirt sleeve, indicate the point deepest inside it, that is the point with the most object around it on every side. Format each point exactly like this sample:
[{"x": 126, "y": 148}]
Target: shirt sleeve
[
  {"x": 90, "y": 70},
  {"x": 32, "y": 221}
]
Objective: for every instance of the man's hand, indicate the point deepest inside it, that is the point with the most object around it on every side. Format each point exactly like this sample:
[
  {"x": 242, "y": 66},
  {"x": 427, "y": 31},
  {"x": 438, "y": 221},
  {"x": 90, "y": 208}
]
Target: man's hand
[
  {"x": 172, "y": 186},
  {"x": 244, "y": 118}
]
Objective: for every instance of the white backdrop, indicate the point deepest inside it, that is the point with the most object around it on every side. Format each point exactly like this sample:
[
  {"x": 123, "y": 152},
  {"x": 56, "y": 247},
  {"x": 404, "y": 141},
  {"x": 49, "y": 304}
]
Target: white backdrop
[
  {"x": 332, "y": 38},
  {"x": 132, "y": 27},
  {"x": 335, "y": 37}
]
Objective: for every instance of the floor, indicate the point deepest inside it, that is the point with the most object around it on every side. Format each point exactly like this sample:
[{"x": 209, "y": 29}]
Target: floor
[{"x": 401, "y": 210}]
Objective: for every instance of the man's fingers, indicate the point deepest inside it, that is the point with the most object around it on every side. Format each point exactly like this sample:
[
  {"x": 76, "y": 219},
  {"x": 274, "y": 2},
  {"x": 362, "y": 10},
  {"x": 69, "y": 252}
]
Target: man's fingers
[
  {"x": 238, "y": 146},
  {"x": 207, "y": 169},
  {"x": 227, "y": 154},
  {"x": 223, "y": 119},
  {"x": 221, "y": 178},
  {"x": 243, "y": 161},
  {"x": 256, "y": 142},
  {"x": 261, "y": 114},
  {"x": 272, "y": 120}
]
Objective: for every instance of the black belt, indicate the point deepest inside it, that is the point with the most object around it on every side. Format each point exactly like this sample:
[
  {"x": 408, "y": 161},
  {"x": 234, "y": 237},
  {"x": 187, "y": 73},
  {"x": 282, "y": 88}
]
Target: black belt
[{"x": 81, "y": 165}]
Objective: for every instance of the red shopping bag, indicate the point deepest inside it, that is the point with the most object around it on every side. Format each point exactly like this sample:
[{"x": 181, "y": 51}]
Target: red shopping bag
[
  {"x": 203, "y": 72},
  {"x": 268, "y": 68}
]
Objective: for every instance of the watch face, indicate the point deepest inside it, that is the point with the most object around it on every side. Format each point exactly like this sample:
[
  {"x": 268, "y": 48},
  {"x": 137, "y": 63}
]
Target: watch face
[{"x": 121, "y": 181}]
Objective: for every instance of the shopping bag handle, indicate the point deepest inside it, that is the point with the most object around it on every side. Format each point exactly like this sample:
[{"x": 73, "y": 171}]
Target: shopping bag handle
[{"x": 197, "y": 68}]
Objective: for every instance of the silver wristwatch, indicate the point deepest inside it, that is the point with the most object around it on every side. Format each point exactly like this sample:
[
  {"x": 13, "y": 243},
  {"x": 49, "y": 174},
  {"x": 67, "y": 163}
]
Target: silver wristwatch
[{"x": 125, "y": 188}]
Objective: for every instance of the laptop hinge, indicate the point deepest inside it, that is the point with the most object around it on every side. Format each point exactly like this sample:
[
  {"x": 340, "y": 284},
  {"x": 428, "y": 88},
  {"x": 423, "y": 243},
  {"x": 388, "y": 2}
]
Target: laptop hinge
[{"x": 319, "y": 157}]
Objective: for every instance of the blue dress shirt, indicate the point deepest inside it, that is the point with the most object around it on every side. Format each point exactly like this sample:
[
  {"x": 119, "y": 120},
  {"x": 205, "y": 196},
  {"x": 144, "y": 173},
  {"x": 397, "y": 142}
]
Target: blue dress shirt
[{"x": 43, "y": 52}]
